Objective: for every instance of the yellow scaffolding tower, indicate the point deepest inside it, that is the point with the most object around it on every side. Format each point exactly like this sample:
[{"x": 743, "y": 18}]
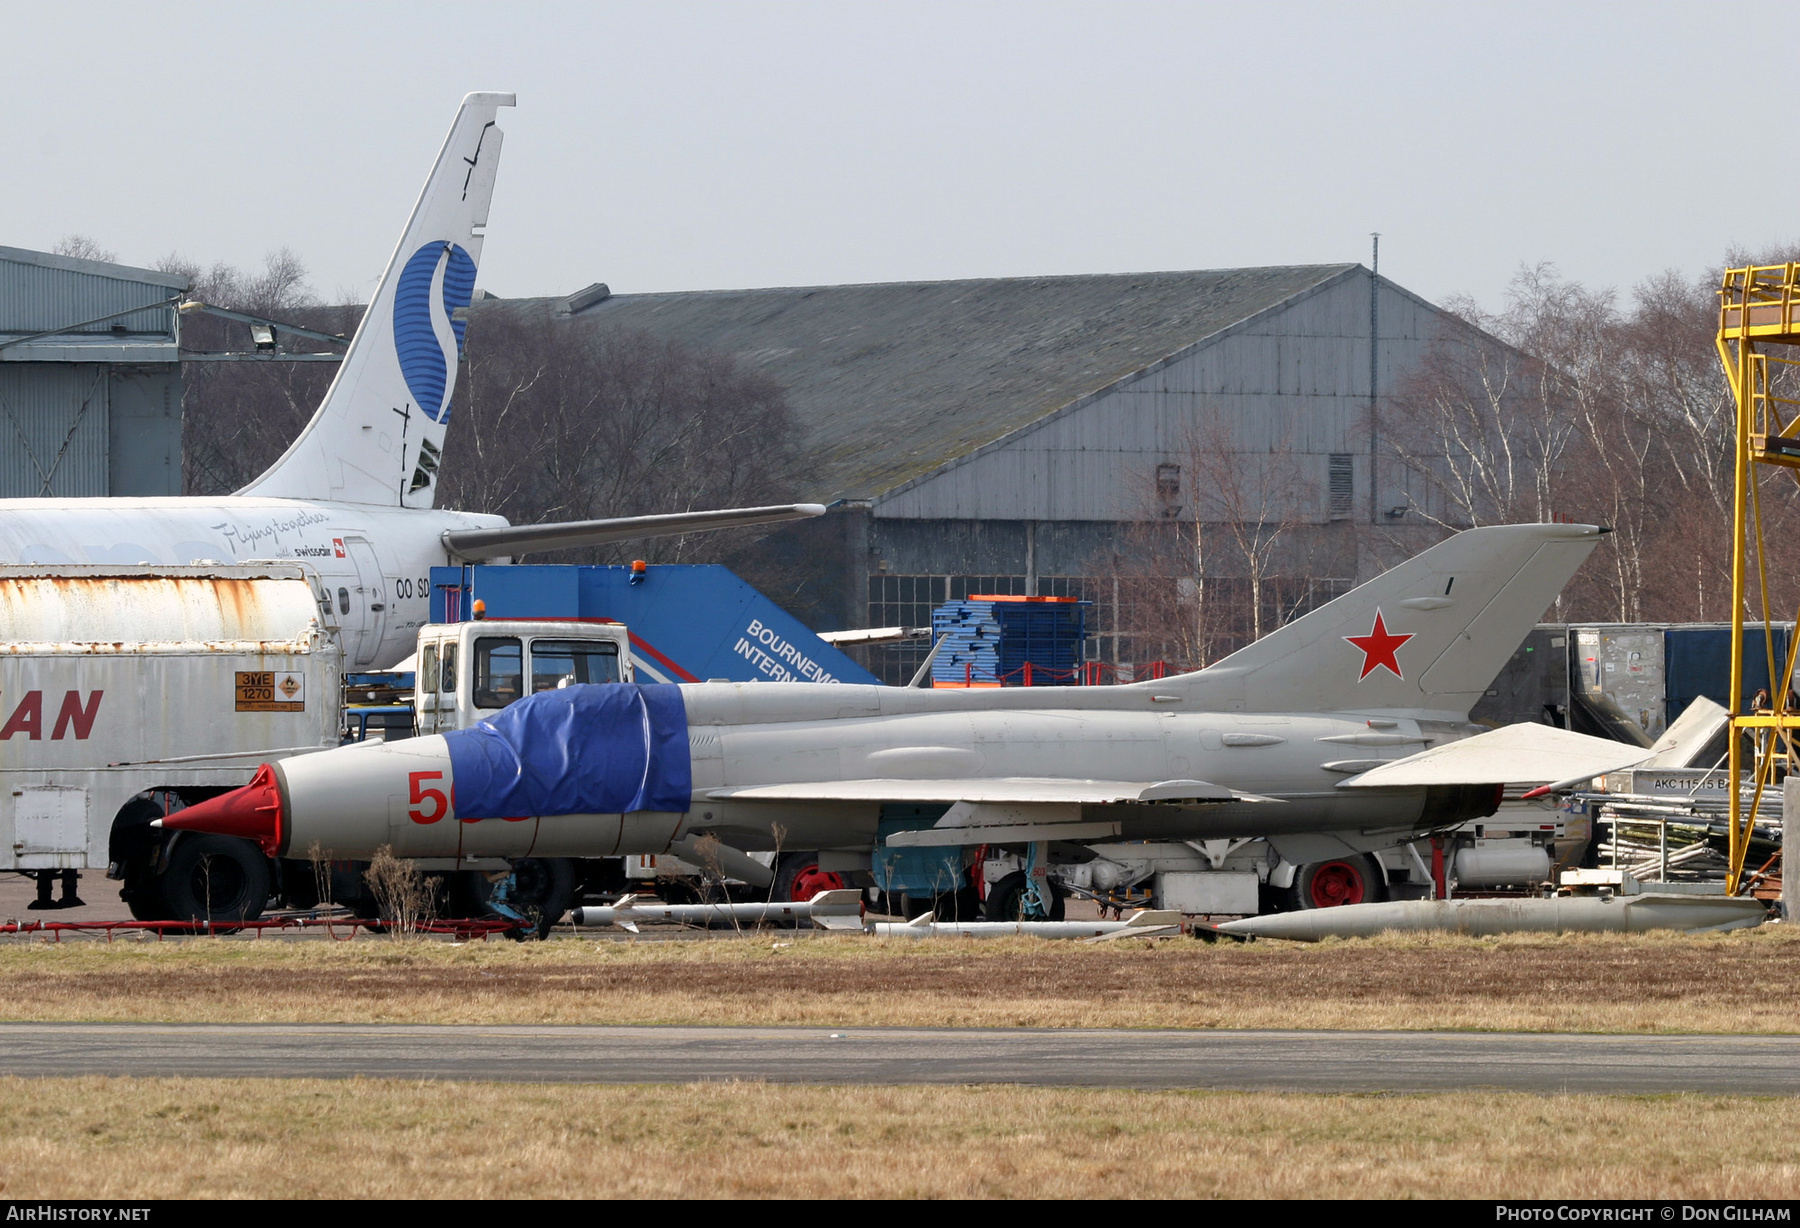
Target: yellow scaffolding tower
[{"x": 1759, "y": 310}]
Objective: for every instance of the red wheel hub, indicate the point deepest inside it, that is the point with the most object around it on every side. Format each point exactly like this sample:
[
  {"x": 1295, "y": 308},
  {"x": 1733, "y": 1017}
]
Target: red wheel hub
[
  {"x": 1336, "y": 882},
  {"x": 810, "y": 880}
]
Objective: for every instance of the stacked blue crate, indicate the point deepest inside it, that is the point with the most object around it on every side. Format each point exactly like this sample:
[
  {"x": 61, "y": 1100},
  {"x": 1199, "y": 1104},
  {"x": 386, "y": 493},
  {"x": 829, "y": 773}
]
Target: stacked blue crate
[
  {"x": 1009, "y": 641},
  {"x": 1045, "y": 636},
  {"x": 970, "y": 656}
]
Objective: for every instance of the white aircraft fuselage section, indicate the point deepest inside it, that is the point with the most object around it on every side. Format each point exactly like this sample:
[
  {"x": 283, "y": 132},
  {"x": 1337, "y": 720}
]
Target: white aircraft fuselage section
[{"x": 373, "y": 564}]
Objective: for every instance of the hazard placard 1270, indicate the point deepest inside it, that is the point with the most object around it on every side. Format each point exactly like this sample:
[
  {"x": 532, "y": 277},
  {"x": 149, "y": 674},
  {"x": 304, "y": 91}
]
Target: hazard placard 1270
[{"x": 270, "y": 691}]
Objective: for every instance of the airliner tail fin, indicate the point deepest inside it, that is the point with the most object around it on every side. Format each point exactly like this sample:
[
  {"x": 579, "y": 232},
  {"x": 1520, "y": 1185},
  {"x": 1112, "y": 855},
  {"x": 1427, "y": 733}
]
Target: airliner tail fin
[{"x": 379, "y": 433}]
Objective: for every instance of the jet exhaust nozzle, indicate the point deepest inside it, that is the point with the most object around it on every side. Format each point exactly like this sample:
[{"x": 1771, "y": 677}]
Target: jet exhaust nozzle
[{"x": 252, "y": 813}]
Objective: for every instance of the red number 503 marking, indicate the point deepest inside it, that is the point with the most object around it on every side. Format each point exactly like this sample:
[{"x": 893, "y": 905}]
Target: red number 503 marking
[{"x": 415, "y": 782}]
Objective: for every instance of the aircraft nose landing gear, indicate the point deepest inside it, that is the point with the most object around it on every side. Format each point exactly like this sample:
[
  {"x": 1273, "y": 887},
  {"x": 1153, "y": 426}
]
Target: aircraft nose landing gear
[{"x": 535, "y": 893}]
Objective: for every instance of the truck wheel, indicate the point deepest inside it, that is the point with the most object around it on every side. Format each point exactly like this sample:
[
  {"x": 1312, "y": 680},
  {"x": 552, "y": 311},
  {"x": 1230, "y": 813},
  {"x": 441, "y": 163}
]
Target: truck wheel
[
  {"x": 1006, "y": 899},
  {"x": 799, "y": 878},
  {"x": 143, "y": 896},
  {"x": 215, "y": 878},
  {"x": 1346, "y": 880},
  {"x": 133, "y": 843}
]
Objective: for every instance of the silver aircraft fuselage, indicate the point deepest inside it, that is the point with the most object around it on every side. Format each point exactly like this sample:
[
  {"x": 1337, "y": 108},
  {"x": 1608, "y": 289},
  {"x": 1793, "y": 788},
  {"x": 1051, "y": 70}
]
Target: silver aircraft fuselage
[
  {"x": 743, "y": 736},
  {"x": 1352, "y": 718}
]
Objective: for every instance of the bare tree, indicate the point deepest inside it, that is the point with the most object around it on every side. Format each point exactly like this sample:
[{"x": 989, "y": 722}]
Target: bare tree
[
  {"x": 1565, "y": 406},
  {"x": 1252, "y": 499},
  {"x": 1219, "y": 554},
  {"x": 1699, "y": 415},
  {"x": 1616, "y": 466},
  {"x": 238, "y": 417},
  {"x": 81, "y": 247},
  {"x": 1487, "y": 417},
  {"x": 1674, "y": 405},
  {"x": 1158, "y": 613},
  {"x": 568, "y": 420},
  {"x": 1672, "y": 374}
]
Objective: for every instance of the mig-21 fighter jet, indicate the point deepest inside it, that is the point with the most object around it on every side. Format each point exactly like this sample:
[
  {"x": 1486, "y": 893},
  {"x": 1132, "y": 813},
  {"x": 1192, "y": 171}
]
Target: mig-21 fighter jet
[{"x": 1345, "y": 730}]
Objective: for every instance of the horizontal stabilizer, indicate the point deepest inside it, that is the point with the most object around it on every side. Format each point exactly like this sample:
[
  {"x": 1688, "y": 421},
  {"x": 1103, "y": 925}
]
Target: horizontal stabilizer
[
  {"x": 1517, "y": 754},
  {"x": 472, "y": 544},
  {"x": 1018, "y": 790},
  {"x": 1688, "y": 742}
]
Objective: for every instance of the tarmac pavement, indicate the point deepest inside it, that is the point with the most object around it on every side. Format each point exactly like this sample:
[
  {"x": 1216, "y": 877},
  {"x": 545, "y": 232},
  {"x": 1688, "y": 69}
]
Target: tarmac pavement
[{"x": 1240, "y": 1060}]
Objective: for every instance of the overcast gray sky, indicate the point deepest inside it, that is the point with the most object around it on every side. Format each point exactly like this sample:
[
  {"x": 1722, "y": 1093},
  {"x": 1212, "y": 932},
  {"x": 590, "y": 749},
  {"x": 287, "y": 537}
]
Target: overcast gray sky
[{"x": 668, "y": 146}]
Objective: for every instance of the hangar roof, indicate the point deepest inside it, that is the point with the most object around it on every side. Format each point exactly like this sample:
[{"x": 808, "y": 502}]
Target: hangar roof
[
  {"x": 62, "y": 309},
  {"x": 891, "y": 381}
]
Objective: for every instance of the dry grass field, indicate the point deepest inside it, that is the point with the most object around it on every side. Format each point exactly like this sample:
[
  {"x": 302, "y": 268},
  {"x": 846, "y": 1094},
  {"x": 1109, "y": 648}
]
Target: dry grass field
[
  {"x": 1737, "y": 982},
  {"x": 217, "y": 1138},
  {"x": 156, "y": 1138}
]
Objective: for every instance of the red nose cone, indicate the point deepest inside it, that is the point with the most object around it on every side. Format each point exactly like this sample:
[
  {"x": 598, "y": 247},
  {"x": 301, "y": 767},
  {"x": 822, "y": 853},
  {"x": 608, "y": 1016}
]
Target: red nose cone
[{"x": 253, "y": 812}]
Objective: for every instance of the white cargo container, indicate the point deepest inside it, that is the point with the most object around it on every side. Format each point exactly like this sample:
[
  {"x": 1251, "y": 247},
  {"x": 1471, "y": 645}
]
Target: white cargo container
[{"x": 226, "y": 666}]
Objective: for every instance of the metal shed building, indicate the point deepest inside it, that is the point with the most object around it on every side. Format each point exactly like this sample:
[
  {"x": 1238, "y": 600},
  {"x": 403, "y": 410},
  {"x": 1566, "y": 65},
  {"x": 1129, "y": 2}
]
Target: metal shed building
[
  {"x": 90, "y": 377},
  {"x": 1002, "y": 435}
]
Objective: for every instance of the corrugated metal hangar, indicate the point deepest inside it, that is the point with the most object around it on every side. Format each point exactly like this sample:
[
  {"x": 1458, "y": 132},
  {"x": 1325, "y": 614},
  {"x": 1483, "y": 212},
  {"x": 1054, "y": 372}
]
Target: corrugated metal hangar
[
  {"x": 90, "y": 377},
  {"x": 1001, "y": 435}
]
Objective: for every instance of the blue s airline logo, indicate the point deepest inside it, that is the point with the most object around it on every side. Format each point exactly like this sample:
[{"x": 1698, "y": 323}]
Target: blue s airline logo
[{"x": 427, "y": 335}]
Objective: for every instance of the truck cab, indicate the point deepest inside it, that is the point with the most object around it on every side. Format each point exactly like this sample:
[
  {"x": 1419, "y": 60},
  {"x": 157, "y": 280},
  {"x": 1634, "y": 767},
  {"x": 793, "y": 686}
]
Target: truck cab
[{"x": 467, "y": 672}]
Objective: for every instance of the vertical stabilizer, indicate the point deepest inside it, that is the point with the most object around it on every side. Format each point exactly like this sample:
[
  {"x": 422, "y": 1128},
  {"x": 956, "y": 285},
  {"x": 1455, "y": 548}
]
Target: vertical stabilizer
[
  {"x": 1428, "y": 636},
  {"x": 378, "y": 434}
]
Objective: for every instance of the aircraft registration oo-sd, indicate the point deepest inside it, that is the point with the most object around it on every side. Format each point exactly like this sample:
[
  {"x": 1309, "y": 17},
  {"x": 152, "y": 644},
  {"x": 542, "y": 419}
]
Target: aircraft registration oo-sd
[
  {"x": 1346, "y": 730},
  {"x": 352, "y": 497}
]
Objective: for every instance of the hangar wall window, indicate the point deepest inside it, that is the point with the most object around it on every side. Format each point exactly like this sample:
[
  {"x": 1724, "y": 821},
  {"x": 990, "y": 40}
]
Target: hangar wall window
[
  {"x": 905, "y": 601},
  {"x": 1341, "y": 482}
]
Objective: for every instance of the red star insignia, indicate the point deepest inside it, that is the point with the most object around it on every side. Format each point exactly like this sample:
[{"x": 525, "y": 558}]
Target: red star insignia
[{"x": 1378, "y": 649}]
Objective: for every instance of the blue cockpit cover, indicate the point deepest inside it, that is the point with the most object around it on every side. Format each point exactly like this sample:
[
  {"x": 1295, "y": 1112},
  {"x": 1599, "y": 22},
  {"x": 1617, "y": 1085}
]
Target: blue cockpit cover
[{"x": 607, "y": 748}]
